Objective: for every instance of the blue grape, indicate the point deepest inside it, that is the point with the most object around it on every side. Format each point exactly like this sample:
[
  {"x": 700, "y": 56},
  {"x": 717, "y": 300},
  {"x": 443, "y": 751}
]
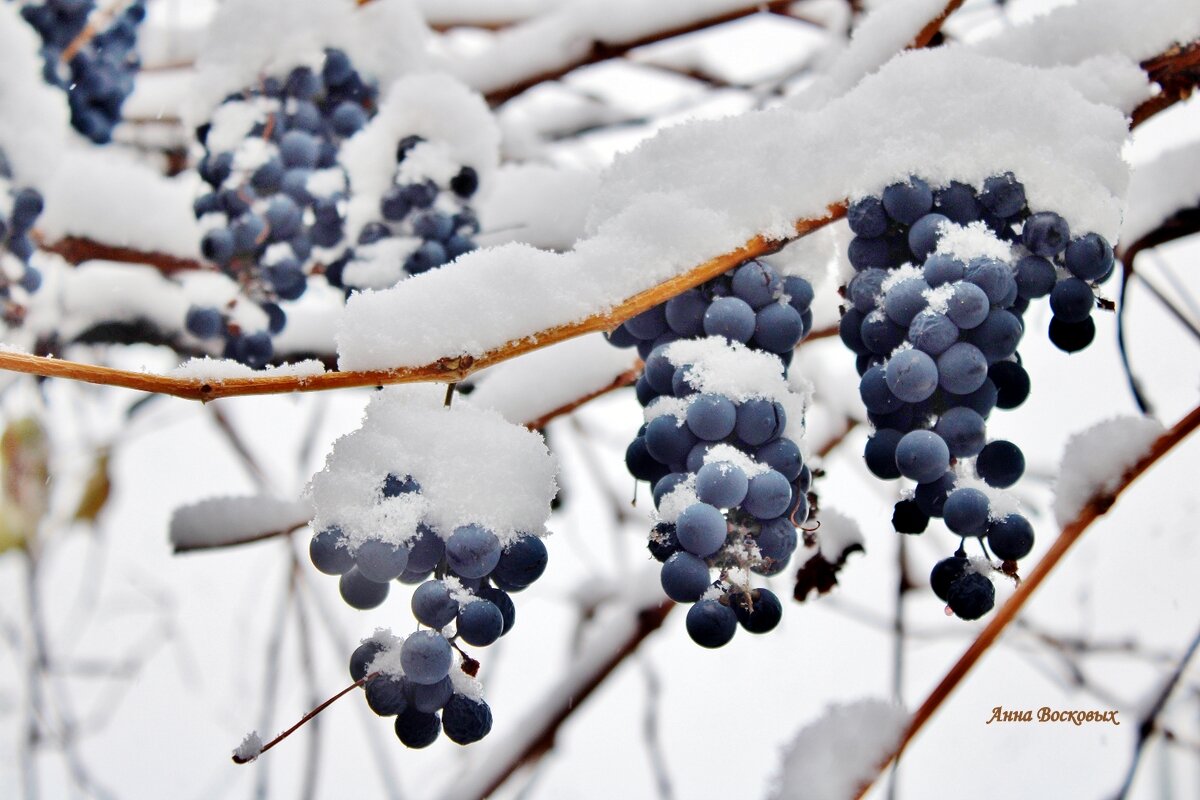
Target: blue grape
[
  {"x": 1035, "y": 277},
  {"x": 932, "y": 333},
  {"x": 922, "y": 456},
  {"x": 425, "y": 657},
  {"x": 432, "y": 604},
  {"x": 465, "y": 720},
  {"x": 701, "y": 529},
  {"x": 204, "y": 323},
  {"x": 757, "y": 283},
  {"x": 1012, "y": 383},
  {"x": 867, "y": 217},
  {"x": 425, "y": 550},
  {"x": 480, "y": 623},
  {"x": 217, "y": 246},
  {"x": 428, "y": 698},
  {"x": 905, "y": 300},
  {"x": 850, "y": 331},
  {"x": 1003, "y": 195},
  {"x": 778, "y": 328},
  {"x": 685, "y": 577},
  {"x": 1089, "y": 258},
  {"x": 958, "y": 202},
  {"x": 758, "y": 611},
  {"x": 768, "y": 495},
  {"x": 521, "y": 563},
  {"x": 730, "y": 317},
  {"x": 668, "y": 441},
  {"x": 997, "y": 336},
  {"x": 359, "y": 592},
  {"x": 416, "y": 729},
  {"x": 930, "y": 496},
  {"x": 968, "y": 306},
  {"x": 777, "y": 540},
  {"x": 329, "y": 552},
  {"x": 1010, "y": 538},
  {"x": 907, "y": 517},
  {"x": 870, "y": 253},
  {"x": 380, "y": 561},
  {"x": 964, "y": 431},
  {"x": 971, "y": 596},
  {"x": 799, "y": 292},
  {"x": 1045, "y": 234},
  {"x": 721, "y": 484},
  {"x": 501, "y": 600},
  {"x": 966, "y": 512},
  {"x": 685, "y": 313},
  {"x": 940, "y": 269},
  {"x": 924, "y": 234},
  {"x": 865, "y": 288},
  {"x": 875, "y": 394},
  {"x": 1072, "y": 300},
  {"x": 1001, "y": 464},
  {"x": 945, "y": 573},
  {"x": 1071, "y": 337},
  {"x": 428, "y": 255},
  {"x": 711, "y": 417},
  {"x": 472, "y": 551},
  {"x": 666, "y": 484},
  {"x": 962, "y": 368},
  {"x": 385, "y": 695},
  {"x": 711, "y": 624},
  {"x": 757, "y": 421},
  {"x": 994, "y": 277},
  {"x": 650, "y": 324},
  {"x": 361, "y": 658},
  {"x": 880, "y": 453},
  {"x": 908, "y": 202},
  {"x": 912, "y": 376},
  {"x": 465, "y": 183},
  {"x": 783, "y": 456},
  {"x": 880, "y": 335}
]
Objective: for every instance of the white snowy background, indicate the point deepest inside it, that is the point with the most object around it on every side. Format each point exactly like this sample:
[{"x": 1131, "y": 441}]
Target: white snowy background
[{"x": 162, "y": 662}]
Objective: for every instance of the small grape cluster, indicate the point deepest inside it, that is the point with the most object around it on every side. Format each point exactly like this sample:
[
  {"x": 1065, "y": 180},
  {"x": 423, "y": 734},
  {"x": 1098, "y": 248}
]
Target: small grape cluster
[
  {"x": 935, "y": 315},
  {"x": 729, "y": 485},
  {"x": 464, "y": 580},
  {"x": 98, "y": 76},
  {"x": 276, "y": 205},
  {"x": 19, "y": 210},
  {"x": 422, "y": 223}
]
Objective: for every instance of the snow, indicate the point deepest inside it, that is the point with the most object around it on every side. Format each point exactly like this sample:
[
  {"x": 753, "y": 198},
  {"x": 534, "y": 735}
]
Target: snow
[
  {"x": 538, "y": 204},
  {"x": 701, "y": 189},
  {"x": 473, "y": 467},
  {"x": 529, "y": 387},
  {"x": 35, "y": 125},
  {"x": 973, "y": 240},
  {"x": 836, "y": 534},
  {"x": 218, "y": 521},
  {"x": 1161, "y": 187},
  {"x": 1095, "y": 460},
  {"x": 219, "y": 369},
  {"x": 831, "y": 757},
  {"x": 249, "y": 749},
  {"x": 728, "y": 454},
  {"x": 383, "y": 39},
  {"x": 1001, "y": 503}
]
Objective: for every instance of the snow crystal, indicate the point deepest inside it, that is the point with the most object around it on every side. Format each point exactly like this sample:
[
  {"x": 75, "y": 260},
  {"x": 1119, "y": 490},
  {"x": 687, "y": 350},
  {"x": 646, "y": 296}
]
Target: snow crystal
[
  {"x": 219, "y": 521},
  {"x": 249, "y": 749},
  {"x": 831, "y": 757},
  {"x": 473, "y": 467},
  {"x": 1095, "y": 460},
  {"x": 719, "y": 366},
  {"x": 387, "y": 660},
  {"x": 529, "y": 387},
  {"x": 1001, "y": 503},
  {"x": 665, "y": 404},
  {"x": 728, "y": 454},
  {"x": 463, "y": 683},
  {"x": 380, "y": 264},
  {"x": 902, "y": 273},
  {"x": 675, "y": 501},
  {"x": 973, "y": 240},
  {"x": 938, "y": 299},
  {"x": 1160, "y": 188},
  {"x": 837, "y": 534},
  {"x": 459, "y": 593}
]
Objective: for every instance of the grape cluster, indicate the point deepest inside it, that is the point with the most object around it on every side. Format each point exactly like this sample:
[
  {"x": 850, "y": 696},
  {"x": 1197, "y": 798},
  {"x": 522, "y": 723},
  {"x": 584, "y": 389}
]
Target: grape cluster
[
  {"x": 465, "y": 579},
  {"x": 935, "y": 315},
  {"x": 275, "y": 207},
  {"x": 421, "y": 224},
  {"x": 729, "y": 486},
  {"x": 98, "y": 76},
  {"x": 19, "y": 210}
]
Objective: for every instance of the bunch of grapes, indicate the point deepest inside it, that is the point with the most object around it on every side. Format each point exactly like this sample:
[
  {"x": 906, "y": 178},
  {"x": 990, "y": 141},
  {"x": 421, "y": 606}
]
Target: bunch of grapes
[
  {"x": 422, "y": 223},
  {"x": 729, "y": 486},
  {"x": 19, "y": 209},
  {"x": 394, "y": 529},
  {"x": 96, "y": 76},
  {"x": 935, "y": 315},
  {"x": 276, "y": 205}
]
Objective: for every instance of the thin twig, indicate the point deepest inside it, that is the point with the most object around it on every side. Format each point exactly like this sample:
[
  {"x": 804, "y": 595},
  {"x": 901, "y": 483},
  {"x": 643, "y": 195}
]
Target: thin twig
[
  {"x": 299, "y": 724},
  {"x": 1093, "y": 510}
]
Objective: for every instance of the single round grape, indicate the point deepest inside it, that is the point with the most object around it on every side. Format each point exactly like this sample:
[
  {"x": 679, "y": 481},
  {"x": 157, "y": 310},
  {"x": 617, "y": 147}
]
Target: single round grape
[
  {"x": 1001, "y": 464},
  {"x": 711, "y": 624},
  {"x": 924, "y": 234},
  {"x": 685, "y": 313},
  {"x": 1045, "y": 234},
  {"x": 416, "y": 729},
  {"x": 783, "y": 456},
  {"x": 1071, "y": 337},
  {"x": 730, "y": 317},
  {"x": 680, "y": 385},
  {"x": 472, "y": 551},
  {"x": 381, "y": 561},
  {"x": 966, "y": 512},
  {"x": 361, "y": 593},
  {"x": 361, "y": 658},
  {"x": 993, "y": 276},
  {"x": 428, "y": 698},
  {"x": 425, "y": 550},
  {"x": 776, "y": 540},
  {"x": 908, "y": 202},
  {"x": 385, "y": 695},
  {"x": 866, "y": 253},
  {"x": 907, "y": 517},
  {"x": 500, "y": 599},
  {"x": 666, "y": 484},
  {"x": 521, "y": 563},
  {"x": 880, "y": 335},
  {"x": 711, "y": 417},
  {"x": 962, "y": 368},
  {"x": 932, "y": 332},
  {"x": 922, "y": 456},
  {"x": 758, "y": 611},
  {"x": 1003, "y": 195},
  {"x": 659, "y": 371},
  {"x": 778, "y": 328},
  {"x": 1072, "y": 300},
  {"x": 905, "y": 300},
  {"x": 432, "y": 604},
  {"x": 701, "y": 529},
  {"x": 668, "y": 440},
  {"x": 641, "y": 465},
  {"x": 981, "y": 401},
  {"x": 865, "y": 288},
  {"x": 1010, "y": 538},
  {"x": 480, "y": 623},
  {"x": 850, "y": 331},
  {"x": 1035, "y": 277},
  {"x": 721, "y": 484},
  {"x": 465, "y": 720},
  {"x": 329, "y": 552},
  {"x": 958, "y": 202},
  {"x": 217, "y": 246},
  {"x": 756, "y": 422},
  {"x": 425, "y": 657},
  {"x": 867, "y": 217},
  {"x": 945, "y": 573},
  {"x": 799, "y": 291},
  {"x": 997, "y": 336},
  {"x": 663, "y": 543},
  {"x": 912, "y": 376},
  {"x": 930, "y": 496},
  {"x": 968, "y": 306},
  {"x": 757, "y": 283},
  {"x": 685, "y": 577},
  {"x": 1089, "y": 257},
  {"x": 767, "y": 495},
  {"x": 875, "y": 394},
  {"x": 880, "y": 453},
  {"x": 964, "y": 431},
  {"x": 971, "y": 596},
  {"x": 650, "y": 324}
]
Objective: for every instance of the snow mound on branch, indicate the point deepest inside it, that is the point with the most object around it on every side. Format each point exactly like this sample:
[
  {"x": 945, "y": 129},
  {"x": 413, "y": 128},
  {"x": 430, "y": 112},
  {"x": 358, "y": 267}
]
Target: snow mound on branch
[
  {"x": 252, "y": 38},
  {"x": 831, "y": 757},
  {"x": 473, "y": 466},
  {"x": 249, "y": 749},
  {"x": 1095, "y": 460},
  {"x": 837, "y": 533},
  {"x": 1169, "y": 183},
  {"x": 218, "y": 521}
]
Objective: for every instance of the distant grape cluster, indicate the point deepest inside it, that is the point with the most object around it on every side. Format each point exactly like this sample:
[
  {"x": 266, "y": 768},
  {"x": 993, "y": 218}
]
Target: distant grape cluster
[
  {"x": 96, "y": 75},
  {"x": 421, "y": 224},
  {"x": 464, "y": 580},
  {"x": 935, "y": 314},
  {"x": 274, "y": 208},
  {"x": 730, "y": 487},
  {"x": 19, "y": 210}
]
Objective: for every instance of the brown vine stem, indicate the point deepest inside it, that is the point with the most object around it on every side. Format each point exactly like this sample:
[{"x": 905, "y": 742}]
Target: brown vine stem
[
  {"x": 90, "y": 30},
  {"x": 300, "y": 723},
  {"x": 1095, "y": 508},
  {"x": 443, "y": 370}
]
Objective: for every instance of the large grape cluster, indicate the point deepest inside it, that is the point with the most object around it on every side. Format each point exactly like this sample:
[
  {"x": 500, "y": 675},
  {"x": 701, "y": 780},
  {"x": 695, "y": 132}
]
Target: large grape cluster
[
  {"x": 935, "y": 315},
  {"x": 96, "y": 76},
  {"x": 275, "y": 205},
  {"x": 729, "y": 485},
  {"x": 422, "y": 223},
  {"x": 19, "y": 210}
]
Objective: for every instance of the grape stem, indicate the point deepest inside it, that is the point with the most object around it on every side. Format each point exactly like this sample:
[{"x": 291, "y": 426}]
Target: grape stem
[
  {"x": 1096, "y": 507},
  {"x": 94, "y": 23},
  {"x": 239, "y": 760}
]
